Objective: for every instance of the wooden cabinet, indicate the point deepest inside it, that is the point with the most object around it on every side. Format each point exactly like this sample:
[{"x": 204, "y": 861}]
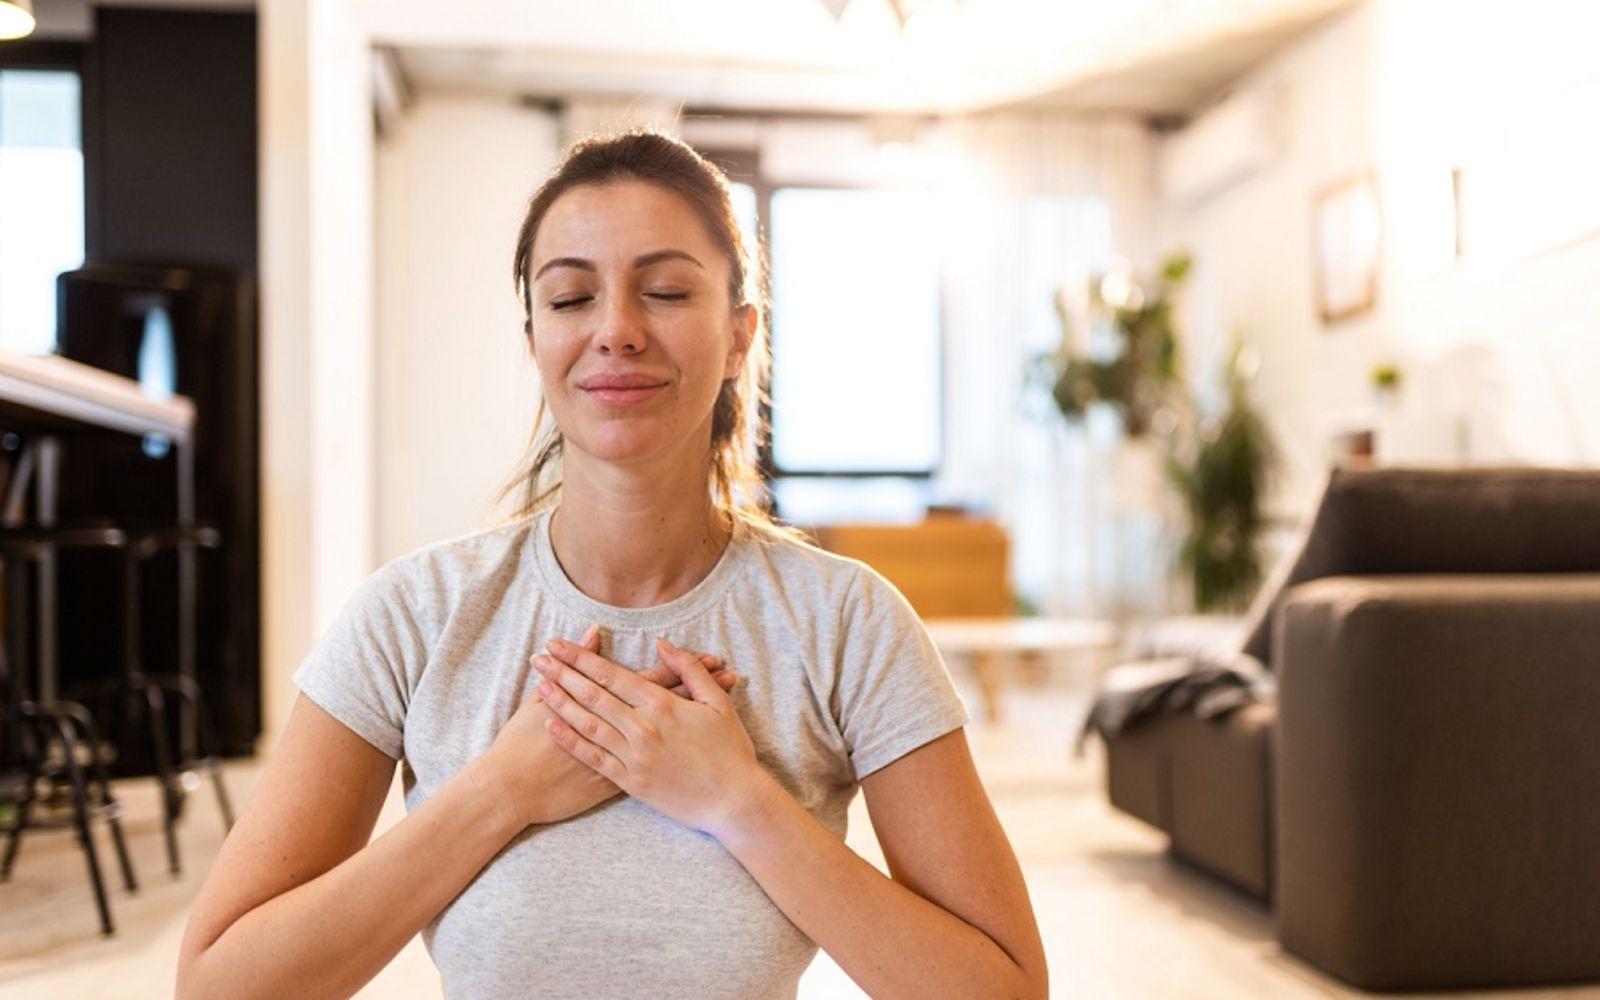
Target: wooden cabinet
[{"x": 947, "y": 566}]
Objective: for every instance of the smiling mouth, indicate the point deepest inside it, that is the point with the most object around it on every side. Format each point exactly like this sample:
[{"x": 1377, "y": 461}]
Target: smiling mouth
[{"x": 624, "y": 396}]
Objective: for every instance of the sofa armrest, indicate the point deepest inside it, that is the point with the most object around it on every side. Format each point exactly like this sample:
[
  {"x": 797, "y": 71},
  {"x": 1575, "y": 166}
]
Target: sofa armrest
[{"x": 1438, "y": 778}]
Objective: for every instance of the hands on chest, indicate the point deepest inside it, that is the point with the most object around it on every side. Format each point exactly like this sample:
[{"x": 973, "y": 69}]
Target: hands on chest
[
  {"x": 688, "y": 758},
  {"x": 667, "y": 735}
]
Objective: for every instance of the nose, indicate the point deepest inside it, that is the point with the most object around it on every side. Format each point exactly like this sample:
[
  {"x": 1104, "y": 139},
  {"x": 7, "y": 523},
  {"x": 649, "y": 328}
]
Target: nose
[{"x": 621, "y": 329}]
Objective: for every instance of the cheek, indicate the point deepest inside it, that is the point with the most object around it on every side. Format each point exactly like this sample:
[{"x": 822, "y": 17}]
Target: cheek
[{"x": 554, "y": 352}]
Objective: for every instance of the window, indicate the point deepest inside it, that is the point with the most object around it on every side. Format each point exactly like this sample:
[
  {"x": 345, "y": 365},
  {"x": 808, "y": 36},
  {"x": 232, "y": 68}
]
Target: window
[
  {"x": 855, "y": 328},
  {"x": 41, "y": 201}
]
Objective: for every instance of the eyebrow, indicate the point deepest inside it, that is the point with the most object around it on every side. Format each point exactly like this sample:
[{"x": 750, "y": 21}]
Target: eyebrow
[{"x": 643, "y": 260}]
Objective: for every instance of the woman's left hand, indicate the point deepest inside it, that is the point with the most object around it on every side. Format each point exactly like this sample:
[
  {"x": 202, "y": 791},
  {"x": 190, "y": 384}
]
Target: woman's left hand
[{"x": 690, "y": 760}]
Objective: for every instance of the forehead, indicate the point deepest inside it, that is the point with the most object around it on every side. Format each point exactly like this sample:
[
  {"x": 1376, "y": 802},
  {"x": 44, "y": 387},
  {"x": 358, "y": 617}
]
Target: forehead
[{"x": 621, "y": 220}]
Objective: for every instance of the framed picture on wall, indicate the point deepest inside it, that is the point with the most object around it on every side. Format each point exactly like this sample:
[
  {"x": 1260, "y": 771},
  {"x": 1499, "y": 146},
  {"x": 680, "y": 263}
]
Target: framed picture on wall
[{"x": 1347, "y": 233}]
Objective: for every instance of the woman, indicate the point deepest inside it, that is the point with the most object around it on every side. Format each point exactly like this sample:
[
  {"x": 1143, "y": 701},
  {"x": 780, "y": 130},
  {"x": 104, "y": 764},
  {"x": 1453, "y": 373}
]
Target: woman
[{"x": 579, "y": 825}]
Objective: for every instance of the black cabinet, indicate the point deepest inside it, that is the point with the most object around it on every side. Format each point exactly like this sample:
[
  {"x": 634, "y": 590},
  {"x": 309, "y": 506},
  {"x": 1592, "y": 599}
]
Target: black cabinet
[
  {"x": 171, "y": 202},
  {"x": 193, "y": 330}
]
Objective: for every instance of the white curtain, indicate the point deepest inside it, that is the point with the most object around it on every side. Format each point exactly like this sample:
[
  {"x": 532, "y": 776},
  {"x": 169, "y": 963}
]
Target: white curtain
[{"x": 1035, "y": 202}]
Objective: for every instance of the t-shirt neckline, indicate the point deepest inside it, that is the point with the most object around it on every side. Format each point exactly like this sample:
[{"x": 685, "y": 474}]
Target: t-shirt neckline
[{"x": 681, "y": 608}]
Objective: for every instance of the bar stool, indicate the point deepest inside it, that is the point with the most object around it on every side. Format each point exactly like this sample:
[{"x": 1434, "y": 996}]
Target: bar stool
[
  {"x": 146, "y": 694},
  {"x": 48, "y": 743},
  {"x": 177, "y": 773}
]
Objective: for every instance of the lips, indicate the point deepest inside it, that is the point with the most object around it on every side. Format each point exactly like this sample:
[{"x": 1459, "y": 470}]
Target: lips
[
  {"x": 621, "y": 380},
  {"x": 621, "y": 389}
]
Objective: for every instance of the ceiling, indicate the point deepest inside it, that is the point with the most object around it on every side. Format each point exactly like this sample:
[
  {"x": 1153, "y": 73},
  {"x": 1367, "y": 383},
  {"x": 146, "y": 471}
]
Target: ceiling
[{"x": 1157, "y": 58}]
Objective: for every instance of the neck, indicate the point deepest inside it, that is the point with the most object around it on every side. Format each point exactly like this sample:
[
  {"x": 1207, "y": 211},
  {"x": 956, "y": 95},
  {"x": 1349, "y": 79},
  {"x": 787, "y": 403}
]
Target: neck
[{"x": 636, "y": 540}]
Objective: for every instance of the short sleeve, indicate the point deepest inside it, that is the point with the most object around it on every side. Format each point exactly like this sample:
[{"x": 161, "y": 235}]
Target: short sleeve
[
  {"x": 894, "y": 690},
  {"x": 360, "y": 671}
]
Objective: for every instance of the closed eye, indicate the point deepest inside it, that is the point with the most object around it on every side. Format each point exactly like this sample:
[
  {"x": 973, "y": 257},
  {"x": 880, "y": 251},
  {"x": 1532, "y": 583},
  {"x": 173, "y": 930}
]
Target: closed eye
[
  {"x": 668, "y": 296},
  {"x": 560, "y": 304}
]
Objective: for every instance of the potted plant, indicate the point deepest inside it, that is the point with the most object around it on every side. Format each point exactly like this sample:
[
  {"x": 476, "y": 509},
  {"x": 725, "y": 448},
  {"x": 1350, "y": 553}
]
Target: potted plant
[
  {"x": 1222, "y": 479},
  {"x": 1133, "y": 365}
]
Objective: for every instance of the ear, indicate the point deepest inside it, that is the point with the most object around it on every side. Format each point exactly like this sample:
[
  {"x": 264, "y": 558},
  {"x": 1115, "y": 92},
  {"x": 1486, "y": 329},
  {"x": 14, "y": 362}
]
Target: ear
[{"x": 744, "y": 332}]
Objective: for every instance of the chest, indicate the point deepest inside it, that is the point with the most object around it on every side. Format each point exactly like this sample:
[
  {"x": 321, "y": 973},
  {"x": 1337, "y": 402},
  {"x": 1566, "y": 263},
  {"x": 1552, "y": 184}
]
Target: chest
[{"x": 478, "y": 674}]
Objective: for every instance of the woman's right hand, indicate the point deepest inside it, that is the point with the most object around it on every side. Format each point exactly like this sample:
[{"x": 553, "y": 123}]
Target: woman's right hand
[{"x": 541, "y": 781}]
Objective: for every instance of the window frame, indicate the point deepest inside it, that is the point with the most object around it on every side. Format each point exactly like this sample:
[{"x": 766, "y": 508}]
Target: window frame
[
  {"x": 55, "y": 54},
  {"x": 940, "y": 363},
  {"x": 744, "y": 166}
]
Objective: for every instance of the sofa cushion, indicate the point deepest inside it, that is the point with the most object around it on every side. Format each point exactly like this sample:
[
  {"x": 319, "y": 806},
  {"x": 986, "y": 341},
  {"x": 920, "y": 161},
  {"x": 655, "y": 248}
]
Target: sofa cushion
[
  {"x": 1489, "y": 520},
  {"x": 1221, "y": 802},
  {"x": 1204, "y": 782},
  {"x": 1438, "y": 779}
]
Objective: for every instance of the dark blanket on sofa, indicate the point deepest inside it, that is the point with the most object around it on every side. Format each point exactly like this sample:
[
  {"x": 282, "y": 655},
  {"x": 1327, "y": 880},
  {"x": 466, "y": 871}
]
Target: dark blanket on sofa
[{"x": 1207, "y": 689}]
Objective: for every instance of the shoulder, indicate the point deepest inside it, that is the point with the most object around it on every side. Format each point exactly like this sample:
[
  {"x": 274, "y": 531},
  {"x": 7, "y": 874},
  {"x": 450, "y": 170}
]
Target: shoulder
[
  {"x": 468, "y": 555},
  {"x": 847, "y": 586},
  {"x": 429, "y": 579},
  {"x": 799, "y": 561}
]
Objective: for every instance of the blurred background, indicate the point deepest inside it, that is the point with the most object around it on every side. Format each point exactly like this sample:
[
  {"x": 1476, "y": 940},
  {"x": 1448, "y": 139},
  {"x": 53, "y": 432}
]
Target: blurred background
[{"x": 1075, "y": 307}]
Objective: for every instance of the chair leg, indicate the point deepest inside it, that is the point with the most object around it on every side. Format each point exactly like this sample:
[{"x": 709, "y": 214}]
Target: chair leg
[
  {"x": 156, "y": 718},
  {"x": 187, "y": 689},
  {"x": 111, "y": 807},
  {"x": 24, "y": 815},
  {"x": 80, "y": 815}
]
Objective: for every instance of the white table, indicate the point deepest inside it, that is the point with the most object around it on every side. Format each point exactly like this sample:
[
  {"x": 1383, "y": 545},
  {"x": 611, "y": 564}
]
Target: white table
[
  {"x": 43, "y": 396},
  {"x": 993, "y": 641}
]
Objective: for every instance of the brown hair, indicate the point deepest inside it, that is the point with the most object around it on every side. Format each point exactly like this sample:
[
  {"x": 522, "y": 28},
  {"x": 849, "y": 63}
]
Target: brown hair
[{"x": 737, "y": 427}]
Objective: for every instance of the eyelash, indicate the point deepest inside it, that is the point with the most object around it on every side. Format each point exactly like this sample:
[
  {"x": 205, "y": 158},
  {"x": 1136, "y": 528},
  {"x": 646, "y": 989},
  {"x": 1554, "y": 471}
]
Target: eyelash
[{"x": 564, "y": 304}]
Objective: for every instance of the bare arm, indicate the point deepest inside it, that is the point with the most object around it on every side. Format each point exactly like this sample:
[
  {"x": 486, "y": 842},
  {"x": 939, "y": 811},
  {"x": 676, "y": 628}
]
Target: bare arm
[
  {"x": 298, "y": 903},
  {"x": 956, "y": 911}
]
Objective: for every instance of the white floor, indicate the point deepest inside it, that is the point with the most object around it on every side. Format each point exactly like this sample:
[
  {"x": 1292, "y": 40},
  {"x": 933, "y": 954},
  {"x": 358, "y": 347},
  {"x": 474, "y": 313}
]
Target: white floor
[{"x": 1118, "y": 918}]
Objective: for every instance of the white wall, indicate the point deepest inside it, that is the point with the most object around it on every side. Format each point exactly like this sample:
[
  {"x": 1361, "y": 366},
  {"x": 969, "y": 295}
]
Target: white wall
[
  {"x": 457, "y": 391},
  {"x": 316, "y": 168},
  {"x": 1497, "y": 347},
  {"x": 316, "y": 342}
]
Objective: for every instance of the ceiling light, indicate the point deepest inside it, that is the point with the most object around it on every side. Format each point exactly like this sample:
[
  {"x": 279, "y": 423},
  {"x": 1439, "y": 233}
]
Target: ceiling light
[
  {"x": 16, "y": 18},
  {"x": 901, "y": 9}
]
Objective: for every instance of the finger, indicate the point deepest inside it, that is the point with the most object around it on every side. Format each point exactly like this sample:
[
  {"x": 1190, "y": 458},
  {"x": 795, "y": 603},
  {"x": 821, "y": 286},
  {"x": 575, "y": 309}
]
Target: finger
[
  {"x": 666, "y": 678},
  {"x": 587, "y": 753},
  {"x": 591, "y": 639},
  {"x": 591, "y": 642},
  {"x": 582, "y": 721},
  {"x": 591, "y": 696},
  {"x": 725, "y": 678},
  {"x": 702, "y": 687},
  {"x": 620, "y": 683}
]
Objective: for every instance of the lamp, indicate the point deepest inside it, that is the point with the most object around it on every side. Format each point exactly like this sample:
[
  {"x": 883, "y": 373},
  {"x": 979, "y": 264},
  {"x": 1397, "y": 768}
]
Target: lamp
[
  {"x": 901, "y": 9},
  {"x": 16, "y": 18}
]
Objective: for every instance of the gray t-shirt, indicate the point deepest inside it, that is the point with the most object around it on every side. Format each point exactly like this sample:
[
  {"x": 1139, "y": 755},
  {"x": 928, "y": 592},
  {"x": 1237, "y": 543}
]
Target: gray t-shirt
[{"x": 430, "y": 657}]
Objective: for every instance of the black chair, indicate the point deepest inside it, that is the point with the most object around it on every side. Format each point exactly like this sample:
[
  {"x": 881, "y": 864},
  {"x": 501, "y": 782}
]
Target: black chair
[
  {"x": 136, "y": 695},
  {"x": 55, "y": 744},
  {"x": 149, "y": 693}
]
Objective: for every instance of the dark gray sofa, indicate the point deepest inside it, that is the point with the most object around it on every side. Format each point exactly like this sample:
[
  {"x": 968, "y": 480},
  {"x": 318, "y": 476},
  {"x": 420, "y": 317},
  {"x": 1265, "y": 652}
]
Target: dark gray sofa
[{"x": 1421, "y": 804}]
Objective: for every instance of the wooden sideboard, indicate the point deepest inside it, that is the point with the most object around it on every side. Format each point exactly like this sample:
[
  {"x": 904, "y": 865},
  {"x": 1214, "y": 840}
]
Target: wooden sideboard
[{"x": 947, "y": 566}]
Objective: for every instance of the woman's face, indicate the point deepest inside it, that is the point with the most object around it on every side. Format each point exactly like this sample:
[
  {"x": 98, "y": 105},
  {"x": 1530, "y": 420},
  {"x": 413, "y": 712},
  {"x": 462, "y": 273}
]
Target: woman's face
[{"x": 632, "y": 326}]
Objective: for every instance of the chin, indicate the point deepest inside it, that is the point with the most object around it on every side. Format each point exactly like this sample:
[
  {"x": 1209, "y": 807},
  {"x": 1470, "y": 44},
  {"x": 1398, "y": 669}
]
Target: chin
[{"x": 622, "y": 441}]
